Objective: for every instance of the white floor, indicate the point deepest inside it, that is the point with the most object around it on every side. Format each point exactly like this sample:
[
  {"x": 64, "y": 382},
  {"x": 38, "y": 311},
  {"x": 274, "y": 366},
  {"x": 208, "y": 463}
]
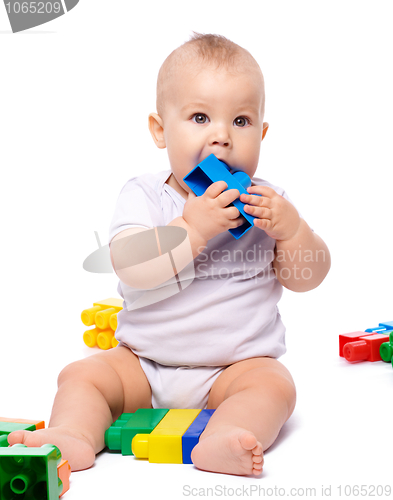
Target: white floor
[{"x": 338, "y": 436}]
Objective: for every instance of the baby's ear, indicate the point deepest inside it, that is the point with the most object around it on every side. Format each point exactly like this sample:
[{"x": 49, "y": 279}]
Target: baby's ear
[
  {"x": 156, "y": 127},
  {"x": 264, "y": 129}
]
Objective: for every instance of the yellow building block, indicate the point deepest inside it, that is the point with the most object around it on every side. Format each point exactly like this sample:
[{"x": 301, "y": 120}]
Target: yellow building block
[
  {"x": 104, "y": 339},
  {"x": 90, "y": 337},
  {"x": 103, "y": 315},
  {"x": 88, "y": 315},
  {"x": 164, "y": 443},
  {"x": 113, "y": 322}
]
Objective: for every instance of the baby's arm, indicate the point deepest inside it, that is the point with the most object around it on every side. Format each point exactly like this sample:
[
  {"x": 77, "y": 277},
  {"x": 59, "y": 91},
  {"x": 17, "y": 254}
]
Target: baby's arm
[
  {"x": 203, "y": 218},
  {"x": 302, "y": 258}
]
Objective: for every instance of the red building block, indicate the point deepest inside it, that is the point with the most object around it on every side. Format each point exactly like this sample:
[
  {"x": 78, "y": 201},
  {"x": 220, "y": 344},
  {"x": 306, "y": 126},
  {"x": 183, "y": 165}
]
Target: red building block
[
  {"x": 365, "y": 349},
  {"x": 351, "y": 337}
]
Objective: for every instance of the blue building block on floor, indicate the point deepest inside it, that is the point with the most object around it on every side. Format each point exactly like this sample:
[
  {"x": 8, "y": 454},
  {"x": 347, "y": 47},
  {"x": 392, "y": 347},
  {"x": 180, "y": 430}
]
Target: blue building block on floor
[
  {"x": 388, "y": 325},
  {"x": 380, "y": 329},
  {"x": 211, "y": 170},
  {"x": 191, "y": 437}
]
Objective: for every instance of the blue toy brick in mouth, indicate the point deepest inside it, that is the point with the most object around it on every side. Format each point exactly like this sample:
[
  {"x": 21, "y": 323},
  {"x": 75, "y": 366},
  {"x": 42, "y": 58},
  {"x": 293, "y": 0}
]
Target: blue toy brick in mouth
[{"x": 211, "y": 170}]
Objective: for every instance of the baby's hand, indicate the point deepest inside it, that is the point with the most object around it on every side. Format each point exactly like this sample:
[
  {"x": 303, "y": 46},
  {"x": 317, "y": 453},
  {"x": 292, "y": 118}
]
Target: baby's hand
[
  {"x": 209, "y": 213},
  {"x": 274, "y": 214}
]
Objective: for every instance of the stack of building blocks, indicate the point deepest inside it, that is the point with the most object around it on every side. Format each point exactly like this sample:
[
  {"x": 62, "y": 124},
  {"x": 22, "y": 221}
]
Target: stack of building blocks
[
  {"x": 374, "y": 344},
  {"x": 27, "y": 472},
  {"x": 103, "y": 315},
  {"x": 120, "y": 434},
  {"x": 159, "y": 435}
]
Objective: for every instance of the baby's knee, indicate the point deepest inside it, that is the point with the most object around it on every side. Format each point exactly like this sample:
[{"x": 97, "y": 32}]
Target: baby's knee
[
  {"x": 77, "y": 369},
  {"x": 83, "y": 370},
  {"x": 271, "y": 379},
  {"x": 281, "y": 381},
  {"x": 287, "y": 388}
]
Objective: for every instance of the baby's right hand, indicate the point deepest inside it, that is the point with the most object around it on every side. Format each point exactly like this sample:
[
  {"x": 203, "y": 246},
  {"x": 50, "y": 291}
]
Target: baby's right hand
[{"x": 209, "y": 214}]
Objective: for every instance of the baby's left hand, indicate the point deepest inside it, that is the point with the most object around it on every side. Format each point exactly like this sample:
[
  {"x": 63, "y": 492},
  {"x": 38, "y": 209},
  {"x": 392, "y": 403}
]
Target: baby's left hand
[{"x": 274, "y": 214}]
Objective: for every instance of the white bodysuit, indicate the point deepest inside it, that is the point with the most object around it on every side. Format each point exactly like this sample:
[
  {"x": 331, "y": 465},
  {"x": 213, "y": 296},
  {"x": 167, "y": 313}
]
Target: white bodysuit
[{"x": 228, "y": 313}]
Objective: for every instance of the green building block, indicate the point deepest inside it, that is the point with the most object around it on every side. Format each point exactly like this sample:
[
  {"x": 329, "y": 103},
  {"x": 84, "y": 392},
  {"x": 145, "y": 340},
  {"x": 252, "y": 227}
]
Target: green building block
[
  {"x": 120, "y": 434},
  {"x": 386, "y": 351},
  {"x": 29, "y": 473},
  {"x": 3, "y": 441},
  {"x": 7, "y": 427}
]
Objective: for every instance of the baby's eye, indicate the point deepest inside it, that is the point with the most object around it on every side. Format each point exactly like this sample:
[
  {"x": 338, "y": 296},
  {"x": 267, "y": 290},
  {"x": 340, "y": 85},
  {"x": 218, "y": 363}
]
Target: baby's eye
[
  {"x": 241, "y": 121},
  {"x": 200, "y": 118}
]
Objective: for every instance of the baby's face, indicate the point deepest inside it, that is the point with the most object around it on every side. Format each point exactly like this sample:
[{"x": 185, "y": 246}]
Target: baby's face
[{"x": 208, "y": 111}]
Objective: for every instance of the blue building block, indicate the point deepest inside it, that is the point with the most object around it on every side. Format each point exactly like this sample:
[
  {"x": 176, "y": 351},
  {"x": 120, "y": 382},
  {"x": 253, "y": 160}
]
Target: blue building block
[
  {"x": 380, "y": 329},
  {"x": 211, "y": 170},
  {"x": 191, "y": 437},
  {"x": 388, "y": 325}
]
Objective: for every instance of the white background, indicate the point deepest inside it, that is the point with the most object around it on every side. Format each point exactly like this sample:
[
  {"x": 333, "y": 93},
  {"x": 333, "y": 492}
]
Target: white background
[{"x": 74, "y": 98}]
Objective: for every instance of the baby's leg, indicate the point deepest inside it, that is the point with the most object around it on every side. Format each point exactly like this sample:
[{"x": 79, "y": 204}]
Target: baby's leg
[
  {"x": 253, "y": 400},
  {"x": 92, "y": 393}
]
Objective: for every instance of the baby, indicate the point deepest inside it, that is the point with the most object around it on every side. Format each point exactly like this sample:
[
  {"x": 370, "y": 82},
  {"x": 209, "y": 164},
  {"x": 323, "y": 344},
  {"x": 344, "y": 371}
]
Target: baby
[{"x": 214, "y": 343}]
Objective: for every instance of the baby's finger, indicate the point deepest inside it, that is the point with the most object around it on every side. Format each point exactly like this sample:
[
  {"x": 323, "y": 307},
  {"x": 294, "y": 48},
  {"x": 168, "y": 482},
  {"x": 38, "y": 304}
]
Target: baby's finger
[
  {"x": 262, "y": 190},
  {"x": 236, "y": 222},
  {"x": 258, "y": 201},
  {"x": 191, "y": 195},
  {"x": 228, "y": 197},
  {"x": 259, "y": 212},
  {"x": 215, "y": 189},
  {"x": 232, "y": 212},
  {"x": 264, "y": 224}
]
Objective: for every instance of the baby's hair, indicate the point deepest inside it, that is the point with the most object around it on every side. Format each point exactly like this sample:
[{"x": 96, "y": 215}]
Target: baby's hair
[
  {"x": 208, "y": 49},
  {"x": 215, "y": 49}
]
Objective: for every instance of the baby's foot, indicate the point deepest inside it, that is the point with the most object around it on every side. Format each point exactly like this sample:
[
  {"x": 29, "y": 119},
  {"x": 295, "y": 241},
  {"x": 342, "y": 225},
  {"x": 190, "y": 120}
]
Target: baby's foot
[
  {"x": 231, "y": 450},
  {"x": 73, "y": 446}
]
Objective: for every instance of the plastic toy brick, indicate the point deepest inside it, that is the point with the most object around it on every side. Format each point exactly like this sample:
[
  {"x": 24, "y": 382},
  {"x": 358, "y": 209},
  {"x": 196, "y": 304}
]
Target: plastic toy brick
[
  {"x": 164, "y": 443},
  {"x": 120, "y": 434},
  {"x": 103, "y": 315},
  {"x": 386, "y": 349},
  {"x": 365, "y": 349},
  {"x": 64, "y": 473},
  {"x": 30, "y": 473},
  {"x": 162, "y": 436},
  {"x": 38, "y": 424},
  {"x": 191, "y": 437},
  {"x": 210, "y": 170},
  {"x": 379, "y": 329},
  {"x": 386, "y": 352},
  {"x": 387, "y": 324},
  {"x": 350, "y": 337},
  {"x": 8, "y": 425}
]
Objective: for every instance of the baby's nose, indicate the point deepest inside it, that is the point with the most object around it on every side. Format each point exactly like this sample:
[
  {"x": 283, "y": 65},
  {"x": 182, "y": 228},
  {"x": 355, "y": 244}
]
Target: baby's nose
[{"x": 220, "y": 137}]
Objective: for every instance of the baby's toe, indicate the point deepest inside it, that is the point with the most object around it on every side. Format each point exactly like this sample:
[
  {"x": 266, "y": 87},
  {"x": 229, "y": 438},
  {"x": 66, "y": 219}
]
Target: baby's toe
[
  {"x": 258, "y": 449},
  {"x": 27, "y": 438},
  {"x": 248, "y": 441}
]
